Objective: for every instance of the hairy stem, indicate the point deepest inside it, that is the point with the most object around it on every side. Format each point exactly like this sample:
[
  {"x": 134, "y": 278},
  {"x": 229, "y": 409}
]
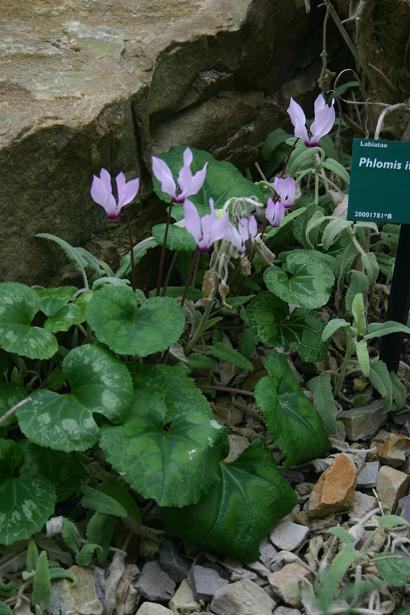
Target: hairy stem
[
  {"x": 346, "y": 359},
  {"x": 14, "y": 409}
]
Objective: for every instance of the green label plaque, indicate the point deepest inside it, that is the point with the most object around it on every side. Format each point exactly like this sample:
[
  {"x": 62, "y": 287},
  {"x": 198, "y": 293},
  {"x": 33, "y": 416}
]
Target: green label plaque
[{"x": 380, "y": 181}]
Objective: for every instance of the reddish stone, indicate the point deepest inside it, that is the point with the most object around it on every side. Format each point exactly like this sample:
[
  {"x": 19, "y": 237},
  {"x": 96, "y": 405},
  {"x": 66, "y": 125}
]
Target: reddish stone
[{"x": 335, "y": 489}]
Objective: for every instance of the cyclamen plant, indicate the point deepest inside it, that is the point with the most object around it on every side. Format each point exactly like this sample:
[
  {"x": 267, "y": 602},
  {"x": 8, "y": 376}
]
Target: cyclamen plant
[{"x": 86, "y": 368}]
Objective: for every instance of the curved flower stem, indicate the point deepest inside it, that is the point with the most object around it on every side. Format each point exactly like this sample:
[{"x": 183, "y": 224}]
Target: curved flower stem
[
  {"x": 192, "y": 268},
  {"x": 170, "y": 271},
  {"x": 131, "y": 240},
  {"x": 163, "y": 249}
]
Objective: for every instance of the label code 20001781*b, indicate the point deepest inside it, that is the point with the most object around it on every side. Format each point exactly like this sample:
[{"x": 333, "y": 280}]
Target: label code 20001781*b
[{"x": 376, "y": 215}]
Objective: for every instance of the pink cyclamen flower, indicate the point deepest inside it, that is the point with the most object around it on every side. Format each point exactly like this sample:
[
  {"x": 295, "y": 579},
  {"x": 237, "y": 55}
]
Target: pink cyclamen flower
[
  {"x": 205, "y": 230},
  {"x": 245, "y": 232},
  {"x": 286, "y": 190},
  {"x": 101, "y": 193},
  {"x": 322, "y": 124},
  {"x": 186, "y": 185},
  {"x": 275, "y": 212}
]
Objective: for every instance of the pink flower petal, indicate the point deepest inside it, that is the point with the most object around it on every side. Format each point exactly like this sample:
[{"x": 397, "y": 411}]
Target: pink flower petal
[
  {"x": 298, "y": 119},
  {"x": 275, "y": 212},
  {"x": 286, "y": 190},
  {"x": 163, "y": 174},
  {"x": 323, "y": 122},
  {"x": 102, "y": 197},
  {"x": 233, "y": 235},
  {"x": 319, "y": 103},
  {"x": 192, "y": 221},
  {"x": 187, "y": 157},
  {"x": 106, "y": 179},
  {"x": 253, "y": 227},
  {"x": 129, "y": 192}
]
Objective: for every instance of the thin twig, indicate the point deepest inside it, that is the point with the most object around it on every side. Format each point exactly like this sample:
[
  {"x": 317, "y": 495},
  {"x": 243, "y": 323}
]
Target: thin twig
[
  {"x": 14, "y": 409},
  {"x": 212, "y": 387}
]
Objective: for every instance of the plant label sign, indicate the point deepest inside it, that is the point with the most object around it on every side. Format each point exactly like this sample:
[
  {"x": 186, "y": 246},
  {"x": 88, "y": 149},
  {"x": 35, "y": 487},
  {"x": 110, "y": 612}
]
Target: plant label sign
[{"x": 380, "y": 181}]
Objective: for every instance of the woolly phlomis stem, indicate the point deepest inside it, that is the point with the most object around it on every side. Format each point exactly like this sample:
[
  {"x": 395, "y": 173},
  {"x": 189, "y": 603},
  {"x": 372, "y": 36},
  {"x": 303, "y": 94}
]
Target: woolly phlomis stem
[
  {"x": 191, "y": 274},
  {"x": 163, "y": 249},
  {"x": 14, "y": 409},
  {"x": 131, "y": 241}
]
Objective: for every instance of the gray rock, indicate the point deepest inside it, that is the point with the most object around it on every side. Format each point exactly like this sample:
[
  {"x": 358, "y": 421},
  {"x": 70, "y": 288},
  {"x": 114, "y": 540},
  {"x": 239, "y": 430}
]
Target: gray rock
[
  {"x": 286, "y": 582},
  {"x": 172, "y": 562},
  {"x": 288, "y": 535},
  {"x": 403, "y": 507},
  {"x": 283, "y": 610},
  {"x": 367, "y": 478},
  {"x": 184, "y": 601},
  {"x": 205, "y": 582},
  {"x": 259, "y": 568},
  {"x": 391, "y": 486},
  {"x": 154, "y": 583},
  {"x": 158, "y": 62},
  {"x": 78, "y": 598},
  {"x": 151, "y": 608},
  {"x": 283, "y": 558},
  {"x": 363, "y": 422},
  {"x": 362, "y": 504},
  {"x": 242, "y": 598},
  {"x": 267, "y": 553}
]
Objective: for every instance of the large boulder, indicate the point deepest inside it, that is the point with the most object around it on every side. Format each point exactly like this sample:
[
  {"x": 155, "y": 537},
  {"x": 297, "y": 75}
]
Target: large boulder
[{"x": 92, "y": 83}]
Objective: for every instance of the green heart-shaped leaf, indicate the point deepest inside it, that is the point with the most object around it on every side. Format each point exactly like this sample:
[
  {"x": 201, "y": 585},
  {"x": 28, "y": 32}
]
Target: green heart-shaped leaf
[
  {"x": 170, "y": 446},
  {"x": 63, "y": 469},
  {"x": 53, "y": 299},
  {"x": 118, "y": 320},
  {"x": 274, "y": 326},
  {"x": 289, "y": 416},
  {"x": 68, "y": 316},
  {"x": 223, "y": 181},
  {"x": 265, "y": 312},
  {"x": 177, "y": 239},
  {"x": 302, "y": 331},
  {"x": 99, "y": 383},
  {"x": 26, "y": 503},
  {"x": 18, "y": 306},
  {"x": 308, "y": 286},
  {"x": 239, "y": 510},
  {"x": 11, "y": 457}
]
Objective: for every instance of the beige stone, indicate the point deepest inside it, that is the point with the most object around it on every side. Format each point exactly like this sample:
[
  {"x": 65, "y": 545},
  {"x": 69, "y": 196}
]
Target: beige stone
[
  {"x": 242, "y": 598},
  {"x": 287, "y": 581},
  {"x": 394, "y": 449},
  {"x": 183, "y": 602},
  {"x": 78, "y": 598},
  {"x": 88, "y": 84},
  {"x": 391, "y": 485},
  {"x": 152, "y": 608},
  {"x": 335, "y": 488}
]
